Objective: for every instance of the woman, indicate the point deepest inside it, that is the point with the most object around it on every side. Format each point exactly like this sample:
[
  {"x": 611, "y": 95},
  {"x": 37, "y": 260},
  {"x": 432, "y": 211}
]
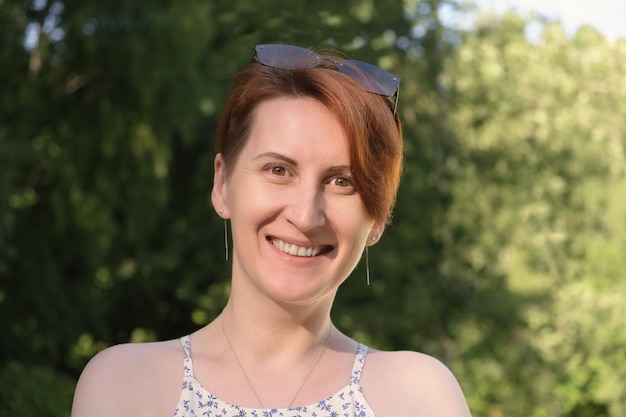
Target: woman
[{"x": 308, "y": 165}]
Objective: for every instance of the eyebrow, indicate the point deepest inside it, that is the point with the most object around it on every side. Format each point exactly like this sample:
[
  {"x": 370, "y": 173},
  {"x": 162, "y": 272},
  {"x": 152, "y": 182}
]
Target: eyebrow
[{"x": 276, "y": 155}]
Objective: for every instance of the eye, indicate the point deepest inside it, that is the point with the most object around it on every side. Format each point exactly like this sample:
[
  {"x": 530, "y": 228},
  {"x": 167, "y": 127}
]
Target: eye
[
  {"x": 342, "y": 185},
  {"x": 342, "y": 182},
  {"x": 278, "y": 170}
]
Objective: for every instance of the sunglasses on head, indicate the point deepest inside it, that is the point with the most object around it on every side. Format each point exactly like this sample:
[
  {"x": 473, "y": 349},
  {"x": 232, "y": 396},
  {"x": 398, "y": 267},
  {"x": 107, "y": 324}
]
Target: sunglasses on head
[{"x": 370, "y": 77}]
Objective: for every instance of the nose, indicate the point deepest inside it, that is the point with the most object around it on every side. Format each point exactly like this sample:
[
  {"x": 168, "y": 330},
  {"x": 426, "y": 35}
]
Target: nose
[{"x": 305, "y": 208}]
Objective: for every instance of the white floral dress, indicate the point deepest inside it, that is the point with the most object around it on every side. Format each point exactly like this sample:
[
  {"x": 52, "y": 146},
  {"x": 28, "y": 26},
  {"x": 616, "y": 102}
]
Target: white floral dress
[{"x": 196, "y": 401}]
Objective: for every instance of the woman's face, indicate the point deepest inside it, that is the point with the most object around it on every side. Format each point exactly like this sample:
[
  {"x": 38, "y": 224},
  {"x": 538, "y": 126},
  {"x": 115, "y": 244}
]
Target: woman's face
[{"x": 298, "y": 225}]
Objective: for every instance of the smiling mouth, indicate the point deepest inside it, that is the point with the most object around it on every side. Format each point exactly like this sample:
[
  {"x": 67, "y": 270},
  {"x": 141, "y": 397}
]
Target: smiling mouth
[{"x": 302, "y": 251}]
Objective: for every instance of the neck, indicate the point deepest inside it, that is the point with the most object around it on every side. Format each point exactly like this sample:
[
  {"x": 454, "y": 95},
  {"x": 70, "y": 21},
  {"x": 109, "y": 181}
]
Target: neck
[
  {"x": 249, "y": 380},
  {"x": 294, "y": 332}
]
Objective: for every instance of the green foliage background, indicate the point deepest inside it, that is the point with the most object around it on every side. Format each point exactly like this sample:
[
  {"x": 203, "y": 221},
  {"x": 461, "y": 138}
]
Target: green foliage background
[{"x": 506, "y": 255}]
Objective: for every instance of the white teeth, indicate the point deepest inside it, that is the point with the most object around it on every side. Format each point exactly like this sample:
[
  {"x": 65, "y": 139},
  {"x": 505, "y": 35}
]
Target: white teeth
[{"x": 295, "y": 250}]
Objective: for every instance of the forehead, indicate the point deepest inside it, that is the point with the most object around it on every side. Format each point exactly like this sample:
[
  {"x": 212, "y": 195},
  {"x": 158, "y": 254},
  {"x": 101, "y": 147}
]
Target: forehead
[{"x": 299, "y": 126}]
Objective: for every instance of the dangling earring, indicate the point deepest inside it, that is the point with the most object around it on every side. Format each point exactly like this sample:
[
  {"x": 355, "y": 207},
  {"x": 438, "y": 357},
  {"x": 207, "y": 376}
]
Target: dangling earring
[
  {"x": 367, "y": 265},
  {"x": 367, "y": 259},
  {"x": 225, "y": 235}
]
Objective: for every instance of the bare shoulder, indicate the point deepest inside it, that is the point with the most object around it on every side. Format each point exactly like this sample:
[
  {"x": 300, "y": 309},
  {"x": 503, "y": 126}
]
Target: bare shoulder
[
  {"x": 411, "y": 383},
  {"x": 130, "y": 379}
]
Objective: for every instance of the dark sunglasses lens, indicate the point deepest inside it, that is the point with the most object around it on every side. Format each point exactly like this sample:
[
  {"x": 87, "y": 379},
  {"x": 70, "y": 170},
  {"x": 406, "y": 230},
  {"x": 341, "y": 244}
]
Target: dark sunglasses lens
[
  {"x": 287, "y": 56},
  {"x": 372, "y": 78}
]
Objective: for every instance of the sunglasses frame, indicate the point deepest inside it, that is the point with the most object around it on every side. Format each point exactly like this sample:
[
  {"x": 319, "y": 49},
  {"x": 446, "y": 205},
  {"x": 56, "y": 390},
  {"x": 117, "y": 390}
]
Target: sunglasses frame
[{"x": 371, "y": 78}]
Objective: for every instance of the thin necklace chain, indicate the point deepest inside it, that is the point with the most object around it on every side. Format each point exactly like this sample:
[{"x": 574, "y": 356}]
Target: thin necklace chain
[{"x": 230, "y": 345}]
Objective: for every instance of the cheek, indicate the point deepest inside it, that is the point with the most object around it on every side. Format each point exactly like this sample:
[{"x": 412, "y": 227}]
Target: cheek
[
  {"x": 253, "y": 205},
  {"x": 351, "y": 220}
]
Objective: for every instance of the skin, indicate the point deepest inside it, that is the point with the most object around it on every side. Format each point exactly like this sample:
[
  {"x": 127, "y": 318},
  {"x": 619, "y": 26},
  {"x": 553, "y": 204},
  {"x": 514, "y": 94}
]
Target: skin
[{"x": 291, "y": 185}]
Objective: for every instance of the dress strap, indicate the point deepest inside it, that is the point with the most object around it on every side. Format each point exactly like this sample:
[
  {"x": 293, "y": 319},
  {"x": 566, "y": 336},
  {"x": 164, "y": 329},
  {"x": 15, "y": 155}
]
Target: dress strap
[
  {"x": 187, "y": 364},
  {"x": 359, "y": 362}
]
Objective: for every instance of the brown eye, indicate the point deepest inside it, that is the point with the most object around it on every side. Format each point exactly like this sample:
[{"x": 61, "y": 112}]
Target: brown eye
[
  {"x": 279, "y": 171},
  {"x": 342, "y": 182}
]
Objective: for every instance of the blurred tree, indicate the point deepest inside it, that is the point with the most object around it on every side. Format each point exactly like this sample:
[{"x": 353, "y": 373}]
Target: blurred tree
[
  {"x": 538, "y": 181},
  {"x": 34, "y": 391}
]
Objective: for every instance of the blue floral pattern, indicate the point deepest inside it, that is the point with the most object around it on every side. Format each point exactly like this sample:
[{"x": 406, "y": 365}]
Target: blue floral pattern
[{"x": 196, "y": 401}]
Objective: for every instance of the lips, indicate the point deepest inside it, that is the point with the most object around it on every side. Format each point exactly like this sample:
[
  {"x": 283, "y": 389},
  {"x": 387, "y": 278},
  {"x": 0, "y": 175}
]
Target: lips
[{"x": 301, "y": 251}]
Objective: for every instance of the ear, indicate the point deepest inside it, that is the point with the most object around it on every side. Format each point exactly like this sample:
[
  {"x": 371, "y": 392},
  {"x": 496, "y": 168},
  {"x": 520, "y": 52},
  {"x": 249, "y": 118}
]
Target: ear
[
  {"x": 375, "y": 233},
  {"x": 218, "y": 194}
]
